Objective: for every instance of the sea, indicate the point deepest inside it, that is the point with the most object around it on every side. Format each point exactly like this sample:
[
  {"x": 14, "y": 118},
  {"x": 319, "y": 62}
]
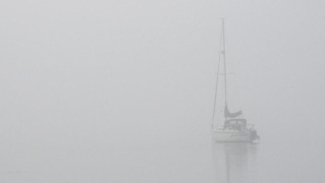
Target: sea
[{"x": 169, "y": 156}]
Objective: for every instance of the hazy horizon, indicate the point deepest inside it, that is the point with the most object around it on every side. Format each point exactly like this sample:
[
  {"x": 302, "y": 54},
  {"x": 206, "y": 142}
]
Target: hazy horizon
[{"x": 120, "y": 75}]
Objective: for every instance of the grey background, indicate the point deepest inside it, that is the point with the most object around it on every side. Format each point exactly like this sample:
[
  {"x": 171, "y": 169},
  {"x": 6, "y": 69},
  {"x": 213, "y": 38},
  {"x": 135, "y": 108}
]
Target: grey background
[{"x": 91, "y": 89}]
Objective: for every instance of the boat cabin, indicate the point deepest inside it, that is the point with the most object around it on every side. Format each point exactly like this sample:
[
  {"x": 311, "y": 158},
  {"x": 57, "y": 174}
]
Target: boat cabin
[{"x": 235, "y": 124}]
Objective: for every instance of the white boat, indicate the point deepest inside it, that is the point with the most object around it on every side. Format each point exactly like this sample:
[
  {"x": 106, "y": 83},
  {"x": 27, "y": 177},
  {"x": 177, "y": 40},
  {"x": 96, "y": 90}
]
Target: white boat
[{"x": 235, "y": 127}]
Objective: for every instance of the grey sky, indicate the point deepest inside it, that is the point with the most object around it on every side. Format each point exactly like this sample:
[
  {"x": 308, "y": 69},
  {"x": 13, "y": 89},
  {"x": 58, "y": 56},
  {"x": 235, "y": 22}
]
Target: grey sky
[{"x": 124, "y": 71}]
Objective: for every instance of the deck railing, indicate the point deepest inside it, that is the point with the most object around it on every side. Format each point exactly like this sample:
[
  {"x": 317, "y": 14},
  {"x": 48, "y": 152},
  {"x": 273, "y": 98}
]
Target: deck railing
[{"x": 248, "y": 126}]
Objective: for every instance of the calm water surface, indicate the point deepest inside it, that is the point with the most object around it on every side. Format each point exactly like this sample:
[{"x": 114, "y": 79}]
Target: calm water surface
[{"x": 188, "y": 157}]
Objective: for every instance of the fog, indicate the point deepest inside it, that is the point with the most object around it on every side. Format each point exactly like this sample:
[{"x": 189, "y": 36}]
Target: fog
[{"x": 122, "y": 91}]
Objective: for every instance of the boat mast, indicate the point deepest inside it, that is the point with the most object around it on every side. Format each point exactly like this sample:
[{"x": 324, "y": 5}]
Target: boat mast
[
  {"x": 227, "y": 113},
  {"x": 224, "y": 59},
  {"x": 222, "y": 51}
]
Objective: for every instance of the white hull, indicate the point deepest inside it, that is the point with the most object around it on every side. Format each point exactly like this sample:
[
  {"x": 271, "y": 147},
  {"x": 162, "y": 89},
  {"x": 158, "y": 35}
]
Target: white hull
[{"x": 231, "y": 136}]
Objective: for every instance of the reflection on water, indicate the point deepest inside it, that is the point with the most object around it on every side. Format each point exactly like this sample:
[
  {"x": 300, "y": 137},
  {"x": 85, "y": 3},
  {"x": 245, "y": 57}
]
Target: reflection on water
[
  {"x": 235, "y": 162},
  {"x": 187, "y": 160}
]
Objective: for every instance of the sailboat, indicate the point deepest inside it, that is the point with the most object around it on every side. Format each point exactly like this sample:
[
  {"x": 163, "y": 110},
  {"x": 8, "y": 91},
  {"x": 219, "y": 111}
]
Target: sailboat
[{"x": 235, "y": 127}]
